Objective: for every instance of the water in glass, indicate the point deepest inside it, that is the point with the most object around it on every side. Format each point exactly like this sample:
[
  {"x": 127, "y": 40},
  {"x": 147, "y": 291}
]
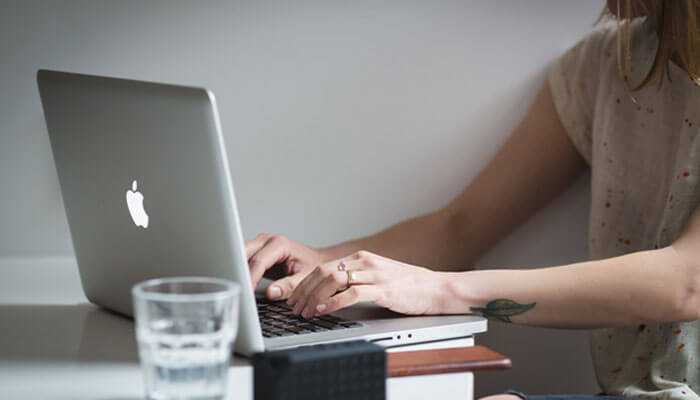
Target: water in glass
[{"x": 185, "y": 329}]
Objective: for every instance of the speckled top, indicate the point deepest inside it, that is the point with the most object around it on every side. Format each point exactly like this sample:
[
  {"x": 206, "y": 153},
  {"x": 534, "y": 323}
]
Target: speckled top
[{"x": 644, "y": 157}]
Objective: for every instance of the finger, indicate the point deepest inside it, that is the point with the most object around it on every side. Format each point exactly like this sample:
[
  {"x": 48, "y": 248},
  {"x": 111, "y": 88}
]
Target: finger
[
  {"x": 334, "y": 283},
  {"x": 297, "y": 299},
  {"x": 283, "y": 288},
  {"x": 313, "y": 279},
  {"x": 352, "y": 263},
  {"x": 253, "y": 246},
  {"x": 272, "y": 253},
  {"x": 346, "y": 298},
  {"x": 330, "y": 285}
]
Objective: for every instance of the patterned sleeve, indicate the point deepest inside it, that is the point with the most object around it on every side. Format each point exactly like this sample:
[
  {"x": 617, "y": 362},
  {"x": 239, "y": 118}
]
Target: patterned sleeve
[{"x": 573, "y": 82}]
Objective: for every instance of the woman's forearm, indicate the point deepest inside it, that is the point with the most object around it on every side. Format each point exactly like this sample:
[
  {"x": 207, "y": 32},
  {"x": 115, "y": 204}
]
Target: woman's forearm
[
  {"x": 513, "y": 186},
  {"x": 426, "y": 240},
  {"x": 647, "y": 286}
]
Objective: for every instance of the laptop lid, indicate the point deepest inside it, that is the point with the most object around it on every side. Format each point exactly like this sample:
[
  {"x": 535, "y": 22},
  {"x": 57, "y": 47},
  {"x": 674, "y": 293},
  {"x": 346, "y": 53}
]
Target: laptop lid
[{"x": 146, "y": 188}]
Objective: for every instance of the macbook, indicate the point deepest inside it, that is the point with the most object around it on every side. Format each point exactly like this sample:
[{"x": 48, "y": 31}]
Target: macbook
[{"x": 148, "y": 193}]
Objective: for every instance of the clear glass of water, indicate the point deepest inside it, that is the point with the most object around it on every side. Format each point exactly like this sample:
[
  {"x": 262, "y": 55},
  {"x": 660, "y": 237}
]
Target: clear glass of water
[{"x": 185, "y": 328}]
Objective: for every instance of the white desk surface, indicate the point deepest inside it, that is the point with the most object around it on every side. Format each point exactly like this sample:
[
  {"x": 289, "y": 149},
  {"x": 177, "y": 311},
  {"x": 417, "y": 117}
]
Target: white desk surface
[{"x": 55, "y": 345}]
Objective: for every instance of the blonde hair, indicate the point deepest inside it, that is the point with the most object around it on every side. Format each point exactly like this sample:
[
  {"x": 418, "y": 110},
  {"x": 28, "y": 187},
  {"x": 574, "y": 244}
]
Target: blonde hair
[{"x": 676, "y": 26}]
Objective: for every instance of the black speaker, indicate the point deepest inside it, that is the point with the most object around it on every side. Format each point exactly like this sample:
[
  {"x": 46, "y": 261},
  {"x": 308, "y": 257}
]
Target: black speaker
[{"x": 347, "y": 370}]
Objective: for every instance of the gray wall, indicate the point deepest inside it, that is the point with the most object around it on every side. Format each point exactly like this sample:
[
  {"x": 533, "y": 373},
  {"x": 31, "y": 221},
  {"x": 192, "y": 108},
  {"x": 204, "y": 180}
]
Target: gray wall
[{"x": 341, "y": 118}]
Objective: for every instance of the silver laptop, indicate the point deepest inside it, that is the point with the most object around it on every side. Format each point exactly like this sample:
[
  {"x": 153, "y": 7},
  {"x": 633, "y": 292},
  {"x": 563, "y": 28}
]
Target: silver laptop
[{"x": 147, "y": 190}]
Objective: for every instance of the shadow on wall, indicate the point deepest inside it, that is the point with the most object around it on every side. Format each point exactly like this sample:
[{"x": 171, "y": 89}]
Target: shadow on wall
[{"x": 545, "y": 361}]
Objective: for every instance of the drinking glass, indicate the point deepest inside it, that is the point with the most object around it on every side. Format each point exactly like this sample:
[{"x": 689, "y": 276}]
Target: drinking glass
[{"x": 185, "y": 328}]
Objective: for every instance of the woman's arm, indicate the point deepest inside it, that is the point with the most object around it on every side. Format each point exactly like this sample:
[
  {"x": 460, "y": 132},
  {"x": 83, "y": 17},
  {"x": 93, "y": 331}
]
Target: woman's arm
[
  {"x": 648, "y": 286},
  {"x": 536, "y": 163}
]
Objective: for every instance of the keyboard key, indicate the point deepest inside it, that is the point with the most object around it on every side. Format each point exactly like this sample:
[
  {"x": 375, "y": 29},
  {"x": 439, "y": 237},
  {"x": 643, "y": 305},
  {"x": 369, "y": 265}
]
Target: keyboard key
[
  {"x": 277, "y": 319},
  {"x": 325, "y": 324},
  {"x": 308, "y": 327},
  {"x": 330, "y": 318},
  {"x": 294, "y": 329}
]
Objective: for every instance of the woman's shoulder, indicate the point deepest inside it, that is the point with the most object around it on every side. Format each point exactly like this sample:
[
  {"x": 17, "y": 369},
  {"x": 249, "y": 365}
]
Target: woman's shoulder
[{"x": 597, "y": 53}]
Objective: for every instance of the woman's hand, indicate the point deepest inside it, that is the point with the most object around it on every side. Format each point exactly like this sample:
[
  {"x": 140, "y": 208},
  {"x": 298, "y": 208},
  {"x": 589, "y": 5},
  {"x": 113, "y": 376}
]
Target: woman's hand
[
  {"x": 400, "y": 287},
  {"x": 267, "y": 251}
]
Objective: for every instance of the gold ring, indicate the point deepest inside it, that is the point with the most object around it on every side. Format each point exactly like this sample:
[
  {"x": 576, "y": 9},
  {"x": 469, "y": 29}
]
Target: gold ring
[
  {"x": 351, "y": 277},
  {"x": 342, "y": 266}
]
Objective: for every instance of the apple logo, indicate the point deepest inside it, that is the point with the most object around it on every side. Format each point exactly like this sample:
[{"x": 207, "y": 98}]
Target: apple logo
[{"x": 134, "y": 201}]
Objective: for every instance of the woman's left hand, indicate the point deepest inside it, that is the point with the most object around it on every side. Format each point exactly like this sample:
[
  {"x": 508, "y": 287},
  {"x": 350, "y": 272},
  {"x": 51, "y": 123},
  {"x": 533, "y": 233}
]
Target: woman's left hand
[{"x": 400, "y": 287}]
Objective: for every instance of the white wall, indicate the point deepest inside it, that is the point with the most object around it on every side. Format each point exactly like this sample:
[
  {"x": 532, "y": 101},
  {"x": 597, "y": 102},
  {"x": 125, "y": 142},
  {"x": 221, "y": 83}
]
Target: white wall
[{"x": 341, "y": 118}]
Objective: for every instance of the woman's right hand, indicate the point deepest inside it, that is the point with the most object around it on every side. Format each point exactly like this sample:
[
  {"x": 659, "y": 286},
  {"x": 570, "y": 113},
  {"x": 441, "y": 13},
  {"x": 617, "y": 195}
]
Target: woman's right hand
[{"x": 295, "y": 259}]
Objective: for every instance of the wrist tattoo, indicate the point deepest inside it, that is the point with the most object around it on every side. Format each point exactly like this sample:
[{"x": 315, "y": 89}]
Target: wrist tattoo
[{"x": 502, "y": 309}]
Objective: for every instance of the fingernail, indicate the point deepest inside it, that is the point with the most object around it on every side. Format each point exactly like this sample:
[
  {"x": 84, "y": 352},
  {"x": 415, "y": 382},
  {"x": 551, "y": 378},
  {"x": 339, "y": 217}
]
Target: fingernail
[
  {"x": 275, "y": 292},
  {"x": 321, "y": 307}
]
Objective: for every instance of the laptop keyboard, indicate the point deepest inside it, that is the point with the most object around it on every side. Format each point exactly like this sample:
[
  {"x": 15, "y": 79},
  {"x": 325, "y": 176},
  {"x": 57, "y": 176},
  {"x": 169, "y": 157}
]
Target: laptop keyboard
[{"x": 277, "y": 319}]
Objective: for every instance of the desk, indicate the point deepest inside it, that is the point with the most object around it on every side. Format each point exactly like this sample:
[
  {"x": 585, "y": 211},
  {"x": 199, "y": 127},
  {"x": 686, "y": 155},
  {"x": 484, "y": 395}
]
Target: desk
[{"x": 55, "y": 345}]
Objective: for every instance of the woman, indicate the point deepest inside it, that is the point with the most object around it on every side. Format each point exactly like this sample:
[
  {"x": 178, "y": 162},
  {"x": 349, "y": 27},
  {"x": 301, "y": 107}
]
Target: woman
[{"x": 621, "y": 103}]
